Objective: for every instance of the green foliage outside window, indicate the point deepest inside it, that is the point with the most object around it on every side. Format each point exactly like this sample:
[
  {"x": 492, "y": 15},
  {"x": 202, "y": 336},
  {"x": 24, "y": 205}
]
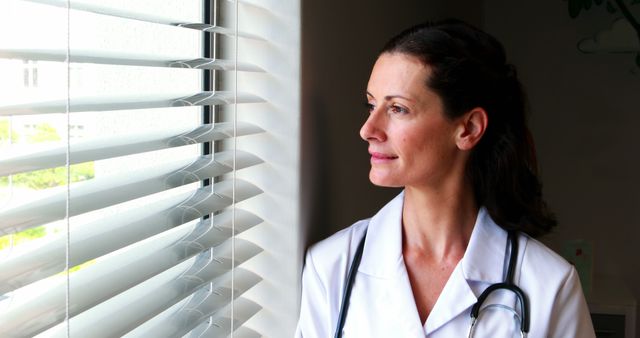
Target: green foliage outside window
[
  {"x": 4, "y": 133},
  {"x": 44, "y": 132},
  {"x": 52, "y": 177},
  {"x": 40, "y": 179},
  {"x": 22, "y": 237}
]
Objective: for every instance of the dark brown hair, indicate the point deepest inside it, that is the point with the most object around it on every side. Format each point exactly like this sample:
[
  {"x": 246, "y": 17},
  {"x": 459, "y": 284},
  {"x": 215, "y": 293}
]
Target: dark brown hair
[{"x": 468, "y": 70}]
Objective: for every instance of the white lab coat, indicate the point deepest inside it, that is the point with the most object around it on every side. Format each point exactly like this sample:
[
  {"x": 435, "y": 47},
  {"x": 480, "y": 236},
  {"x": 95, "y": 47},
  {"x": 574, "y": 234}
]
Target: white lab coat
[{"x": 382, "y": 303}]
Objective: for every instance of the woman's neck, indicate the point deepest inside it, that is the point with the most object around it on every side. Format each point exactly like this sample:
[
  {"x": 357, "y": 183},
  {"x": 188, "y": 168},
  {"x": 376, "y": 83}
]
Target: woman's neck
[{"x": 438, "y": 224}]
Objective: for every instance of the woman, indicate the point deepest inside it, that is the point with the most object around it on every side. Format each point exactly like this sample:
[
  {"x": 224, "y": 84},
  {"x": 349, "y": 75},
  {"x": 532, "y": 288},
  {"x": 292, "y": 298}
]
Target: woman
[{"x": 446, "y": 122}]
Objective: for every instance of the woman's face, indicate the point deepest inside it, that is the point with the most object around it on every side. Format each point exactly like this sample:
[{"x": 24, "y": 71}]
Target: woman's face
[{"x": 411, "y": 142}]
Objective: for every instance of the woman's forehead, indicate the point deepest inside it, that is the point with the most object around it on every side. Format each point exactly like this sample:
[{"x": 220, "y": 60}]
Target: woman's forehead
[{"x": 396, "y": 74}]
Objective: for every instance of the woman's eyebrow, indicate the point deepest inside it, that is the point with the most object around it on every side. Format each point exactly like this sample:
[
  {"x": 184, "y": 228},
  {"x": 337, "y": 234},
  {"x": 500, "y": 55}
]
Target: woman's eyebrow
[{"x": 389, "y": 97}]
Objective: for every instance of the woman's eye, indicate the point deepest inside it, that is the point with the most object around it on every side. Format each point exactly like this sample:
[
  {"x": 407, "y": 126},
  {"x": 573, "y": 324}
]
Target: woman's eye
[
  {"x": 398, "y": 109},
  {"x": 370, "y": 107}
]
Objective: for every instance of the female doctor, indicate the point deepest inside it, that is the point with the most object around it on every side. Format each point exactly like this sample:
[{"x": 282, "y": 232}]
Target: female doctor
[{"x": 446, "y": 122}]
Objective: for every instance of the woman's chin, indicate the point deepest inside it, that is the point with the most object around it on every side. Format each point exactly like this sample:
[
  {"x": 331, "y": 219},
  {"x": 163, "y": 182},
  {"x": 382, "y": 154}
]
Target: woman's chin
[{"x": 384, "y": 180}]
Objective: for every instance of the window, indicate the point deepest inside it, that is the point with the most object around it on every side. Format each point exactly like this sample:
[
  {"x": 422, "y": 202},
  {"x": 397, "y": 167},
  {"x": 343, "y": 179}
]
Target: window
[
  {"x": 30, "y": 73},
  {"x": 148, "y": 168}
]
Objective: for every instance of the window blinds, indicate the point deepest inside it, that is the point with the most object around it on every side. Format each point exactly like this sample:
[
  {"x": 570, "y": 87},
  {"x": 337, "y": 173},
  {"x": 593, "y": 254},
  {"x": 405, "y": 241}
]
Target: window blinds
[{"x": 130, "y": 174}]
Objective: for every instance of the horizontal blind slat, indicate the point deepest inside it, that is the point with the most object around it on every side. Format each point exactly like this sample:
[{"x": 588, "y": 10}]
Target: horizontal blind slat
[
  {"x": 103, "y": 10},
  {"x": 221, "y": 323},
  {"x": 36, "y": 157},
  {"x": 86, "y": 104},
  {"x": 245, "y": 332},
  {"x": 219, "y": 30},
  {"x": 180, "y": 321},
  {"x": 109, "y": 190},
  {"x": 99, "y": 238},
  {"x": 97, "y": 283},
  {"x": 101, "y": 57}
]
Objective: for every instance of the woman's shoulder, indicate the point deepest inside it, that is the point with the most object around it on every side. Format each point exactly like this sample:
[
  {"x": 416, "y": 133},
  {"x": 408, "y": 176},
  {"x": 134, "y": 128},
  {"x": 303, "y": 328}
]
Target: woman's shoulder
[
  {"x": 539, "y": 251},
  {"x": 542, "y": 261},
  {"x": 326, "y": 265},
  {"x": 338, "y": 248},
  {"x": 555, "y": 293}
]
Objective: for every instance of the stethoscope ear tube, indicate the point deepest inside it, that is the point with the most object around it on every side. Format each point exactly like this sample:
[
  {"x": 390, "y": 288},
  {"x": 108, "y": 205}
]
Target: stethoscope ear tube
[{"x": 346, "y": 295}]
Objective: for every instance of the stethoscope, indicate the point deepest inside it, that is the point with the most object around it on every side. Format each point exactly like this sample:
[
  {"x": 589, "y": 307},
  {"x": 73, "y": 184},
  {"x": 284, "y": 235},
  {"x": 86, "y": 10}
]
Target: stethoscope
[{"x": 508, "y": 284}]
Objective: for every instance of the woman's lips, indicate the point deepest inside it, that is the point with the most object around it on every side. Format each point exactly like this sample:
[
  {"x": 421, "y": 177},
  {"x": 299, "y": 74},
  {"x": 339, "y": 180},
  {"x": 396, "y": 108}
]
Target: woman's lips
[{"x": 381, "y": 158}]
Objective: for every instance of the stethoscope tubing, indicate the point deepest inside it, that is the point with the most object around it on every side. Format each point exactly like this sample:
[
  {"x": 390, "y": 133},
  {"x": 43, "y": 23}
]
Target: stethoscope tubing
[
  {"x": 346, "y": 295},
  {"x": 508, "y": 284}
]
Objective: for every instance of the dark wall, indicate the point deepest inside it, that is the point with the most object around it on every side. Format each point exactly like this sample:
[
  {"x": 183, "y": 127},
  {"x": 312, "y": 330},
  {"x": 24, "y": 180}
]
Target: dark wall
[
  {"x": 584, "y": 120},
  {"x": 340, "y": 41},
  {"x": 584, "y": 117}
]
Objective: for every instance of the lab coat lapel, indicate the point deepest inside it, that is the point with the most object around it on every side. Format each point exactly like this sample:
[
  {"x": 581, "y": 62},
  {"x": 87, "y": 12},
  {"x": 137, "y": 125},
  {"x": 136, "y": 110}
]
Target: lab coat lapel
[
  {"x": 456, "y": 297},
  {"x": 402, "y": 307},
  {"x": 382, "y": 254},
  {"x": 382, "y": 267},
  {"x": 482, "y": 262}
]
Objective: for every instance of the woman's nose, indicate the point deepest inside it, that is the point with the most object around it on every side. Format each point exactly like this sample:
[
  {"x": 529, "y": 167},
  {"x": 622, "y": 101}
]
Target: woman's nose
[{"x": 372, "y": 129}]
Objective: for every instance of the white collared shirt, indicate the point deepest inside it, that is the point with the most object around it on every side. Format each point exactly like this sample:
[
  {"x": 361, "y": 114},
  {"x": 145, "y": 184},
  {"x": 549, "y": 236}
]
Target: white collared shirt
[{"x": 382, "y": 303}]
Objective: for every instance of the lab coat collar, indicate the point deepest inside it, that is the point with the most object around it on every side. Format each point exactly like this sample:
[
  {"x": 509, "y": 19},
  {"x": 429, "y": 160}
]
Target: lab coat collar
[
  {"x": 382, "y": 254},
  {"x": 483, "y": 260}
]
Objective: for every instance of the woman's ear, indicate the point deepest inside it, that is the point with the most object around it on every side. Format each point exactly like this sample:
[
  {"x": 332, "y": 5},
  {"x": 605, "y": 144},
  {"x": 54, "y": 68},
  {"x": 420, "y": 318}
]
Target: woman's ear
[{"x": 471, "y": 128}]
